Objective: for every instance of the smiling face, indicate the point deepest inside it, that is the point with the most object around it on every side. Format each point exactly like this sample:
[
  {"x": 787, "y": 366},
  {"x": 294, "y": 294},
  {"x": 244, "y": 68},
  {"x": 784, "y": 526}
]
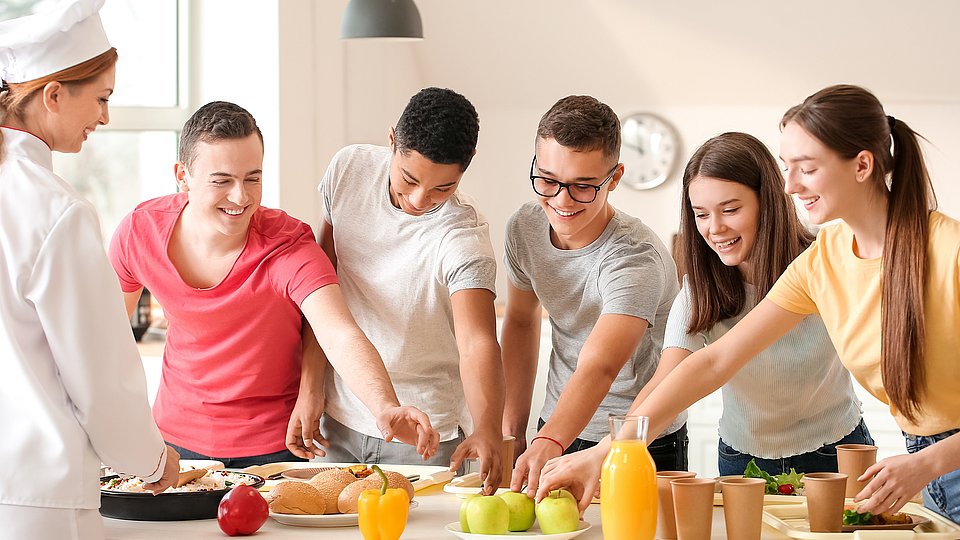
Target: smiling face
[
  {"x": 223, "y": 183},
  {"x": 820, "y": 178},
  {"x": 418, "y": 185},
  {"x": 726, "y": 214},
  {"x": 575, "y": 224},
  {"x": 81, "y": 109}
]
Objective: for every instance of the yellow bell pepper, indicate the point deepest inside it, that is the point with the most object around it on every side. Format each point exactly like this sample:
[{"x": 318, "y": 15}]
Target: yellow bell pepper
[{"x": 383, "y": 512}]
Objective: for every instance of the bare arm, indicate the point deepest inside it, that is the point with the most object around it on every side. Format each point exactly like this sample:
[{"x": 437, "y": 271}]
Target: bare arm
[
  {"x": 611, "y": 343},
  {"x": 481, "y": 369},
  {"x": 304, "y": 425},
  {"x": 708, "y": 369},
  {"x": 521, "y": 346}
]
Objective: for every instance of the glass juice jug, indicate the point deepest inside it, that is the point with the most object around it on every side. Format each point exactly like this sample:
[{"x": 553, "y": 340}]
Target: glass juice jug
[{"x": 628, "y": 482}]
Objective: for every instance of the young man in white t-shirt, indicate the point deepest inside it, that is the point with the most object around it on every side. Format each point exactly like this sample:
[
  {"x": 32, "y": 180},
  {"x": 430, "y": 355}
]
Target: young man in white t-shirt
[
  {"x": 417, "y": 269},
  {"x": 607, "y": 282}
]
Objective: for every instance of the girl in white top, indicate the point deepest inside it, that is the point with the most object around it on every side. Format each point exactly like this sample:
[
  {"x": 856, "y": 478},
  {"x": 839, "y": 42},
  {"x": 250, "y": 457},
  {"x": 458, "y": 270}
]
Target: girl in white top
[
  {"x": 885, "y": 280},
  {"x": 794, "y": 402},
  {"x": 74, "y": 390}
]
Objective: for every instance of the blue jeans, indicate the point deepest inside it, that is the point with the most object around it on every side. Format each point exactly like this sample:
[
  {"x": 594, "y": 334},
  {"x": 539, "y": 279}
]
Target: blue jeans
[
  {"x": 823, "y": 459},
  {"x": 240, "y": 462},
  {"x": 669, "y": 452},
  {"x": 942, "y": 495}
]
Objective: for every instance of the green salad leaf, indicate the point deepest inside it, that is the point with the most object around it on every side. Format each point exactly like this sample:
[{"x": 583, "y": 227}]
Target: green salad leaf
[
  {"x": 852, "y": 517},
  {"x": 792, "y": 478}
]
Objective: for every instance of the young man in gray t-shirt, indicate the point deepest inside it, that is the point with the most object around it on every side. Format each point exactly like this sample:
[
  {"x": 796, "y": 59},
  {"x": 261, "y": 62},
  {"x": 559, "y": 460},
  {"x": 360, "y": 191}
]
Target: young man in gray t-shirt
[{"x": 607, "y": 282}]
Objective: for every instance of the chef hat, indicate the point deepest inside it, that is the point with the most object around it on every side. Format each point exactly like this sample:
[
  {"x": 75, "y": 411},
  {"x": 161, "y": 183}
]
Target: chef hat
[{"x": 44, "y": 43}]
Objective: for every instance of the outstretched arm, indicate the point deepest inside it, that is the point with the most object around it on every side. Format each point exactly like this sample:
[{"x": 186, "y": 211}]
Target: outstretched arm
[
  {"x": 611, "y": 343},
  {"x": 695, "y": 377},
  {"x": 521, "y": 345},
  {"x": 475, "y": 325}
]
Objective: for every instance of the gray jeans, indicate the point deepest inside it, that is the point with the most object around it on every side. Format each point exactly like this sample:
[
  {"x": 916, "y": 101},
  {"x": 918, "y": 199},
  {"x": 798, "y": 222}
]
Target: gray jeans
[{"x": 349, "y": 446}]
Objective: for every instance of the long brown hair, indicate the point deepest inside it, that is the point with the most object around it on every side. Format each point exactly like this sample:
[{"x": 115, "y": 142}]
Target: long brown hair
[
  {"x": 14, "y": 101},
  {"x": 717, "y": 290},
  {"x": 849, "y": 119}
]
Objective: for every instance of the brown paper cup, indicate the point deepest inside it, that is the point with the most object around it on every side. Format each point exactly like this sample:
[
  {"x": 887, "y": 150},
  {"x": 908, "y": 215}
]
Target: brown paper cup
[
  {"x": 824, "y": 494},
  {"x": 853, "y": 460},
  {"x": 666, "y": 519},
  {"x": 743, "y": 507},
  {"x": 693, "y": 507},
  {"x": 506, "y": 460}
]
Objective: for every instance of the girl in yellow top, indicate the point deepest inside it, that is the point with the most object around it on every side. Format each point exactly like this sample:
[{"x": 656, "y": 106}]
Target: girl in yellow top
[{"x": 886, "y": 282}]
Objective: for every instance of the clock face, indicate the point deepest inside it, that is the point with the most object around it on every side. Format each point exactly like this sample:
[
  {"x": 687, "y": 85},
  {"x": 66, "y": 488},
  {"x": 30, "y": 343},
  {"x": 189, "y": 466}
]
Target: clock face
[{"x": 649, "y": 150}]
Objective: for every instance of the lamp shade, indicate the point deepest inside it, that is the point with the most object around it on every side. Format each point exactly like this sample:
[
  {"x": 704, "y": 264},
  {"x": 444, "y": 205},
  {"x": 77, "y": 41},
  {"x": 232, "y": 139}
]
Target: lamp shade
[{"x": 383, "y": 19}]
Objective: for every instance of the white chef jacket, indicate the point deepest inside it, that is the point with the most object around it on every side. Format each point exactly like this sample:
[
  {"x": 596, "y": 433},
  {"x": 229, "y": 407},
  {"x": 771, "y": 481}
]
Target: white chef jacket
[{"x": 72, "y": 388}]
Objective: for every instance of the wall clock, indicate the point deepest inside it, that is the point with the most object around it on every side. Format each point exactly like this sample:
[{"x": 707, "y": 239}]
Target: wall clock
[{"x": 650, "y": 148}]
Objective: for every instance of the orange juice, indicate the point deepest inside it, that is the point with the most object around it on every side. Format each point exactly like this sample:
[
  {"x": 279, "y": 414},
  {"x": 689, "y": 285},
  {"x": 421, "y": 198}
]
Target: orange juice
[{"x": 628, "y": 492}]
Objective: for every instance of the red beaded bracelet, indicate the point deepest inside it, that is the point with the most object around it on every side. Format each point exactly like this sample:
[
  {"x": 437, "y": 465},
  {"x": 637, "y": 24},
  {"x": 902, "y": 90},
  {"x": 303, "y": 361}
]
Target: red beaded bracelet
[{"x": 551, "y": 439}]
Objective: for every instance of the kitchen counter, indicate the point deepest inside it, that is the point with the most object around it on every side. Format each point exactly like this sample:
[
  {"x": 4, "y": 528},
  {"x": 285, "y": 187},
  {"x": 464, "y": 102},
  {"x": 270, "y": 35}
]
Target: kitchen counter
[{"x": 436, "y": 509}]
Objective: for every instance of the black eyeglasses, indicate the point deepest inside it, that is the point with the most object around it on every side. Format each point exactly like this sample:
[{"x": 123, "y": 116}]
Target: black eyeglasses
[{"x": 582, "y": 193}]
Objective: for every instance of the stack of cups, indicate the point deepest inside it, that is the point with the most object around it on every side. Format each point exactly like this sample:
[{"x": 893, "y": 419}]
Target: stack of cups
[{"x": 666, "y": 518}]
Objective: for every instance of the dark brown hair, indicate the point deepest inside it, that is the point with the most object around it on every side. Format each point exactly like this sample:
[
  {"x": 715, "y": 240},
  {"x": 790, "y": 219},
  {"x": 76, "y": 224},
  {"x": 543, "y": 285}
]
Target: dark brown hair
[
  {"x": 582, "y": 123},
  {"x": 14, "y": 101},
  {"x": 849, "y": 119},
  {"x": 215, "y": 121},
  {"x": 716, "y": 290}
]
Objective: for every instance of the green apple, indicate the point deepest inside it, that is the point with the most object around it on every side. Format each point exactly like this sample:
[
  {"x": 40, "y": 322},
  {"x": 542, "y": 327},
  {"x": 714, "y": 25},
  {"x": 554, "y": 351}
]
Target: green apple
[
  {"x": 463, "y": 513},
  {"x": 487, "y": 514},
  {"x": 562, "y": 493},
  {"x": 521, "y": 509},
  {"x": 558, "y": 513}
]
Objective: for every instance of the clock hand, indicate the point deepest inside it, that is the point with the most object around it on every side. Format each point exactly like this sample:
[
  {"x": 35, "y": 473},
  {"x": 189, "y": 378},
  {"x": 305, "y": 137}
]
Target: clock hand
[{"x": 640, "y": 149}]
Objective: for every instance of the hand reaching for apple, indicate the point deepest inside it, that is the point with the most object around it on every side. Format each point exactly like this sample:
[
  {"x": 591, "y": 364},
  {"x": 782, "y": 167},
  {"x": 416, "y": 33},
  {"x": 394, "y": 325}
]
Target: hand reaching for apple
[
  {"x": 579, "y": 472},
  {"x": 486, "y": 447},
  {"x": 530, "y": 463}
]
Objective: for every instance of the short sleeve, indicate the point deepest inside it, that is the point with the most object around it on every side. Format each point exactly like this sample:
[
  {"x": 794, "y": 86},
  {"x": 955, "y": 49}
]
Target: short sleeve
[
  {"x": 511, "y": 256},
  {"x": 327, "y": 186},
  {"x": 631, "y": 282},
  {"x": 466, "y": 259},
  {"x": 304, "y": 267},
  {"x": 792, "y": 291},
  {"x": 119, "y": 256},
  {"x": 677, "y": 333}
]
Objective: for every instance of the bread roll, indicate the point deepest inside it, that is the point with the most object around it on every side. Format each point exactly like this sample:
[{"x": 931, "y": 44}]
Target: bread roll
[
  {"x": 296, "y": 498},
  {"x": 347, "y": 502},
  {"x": 330, "y": 483}
]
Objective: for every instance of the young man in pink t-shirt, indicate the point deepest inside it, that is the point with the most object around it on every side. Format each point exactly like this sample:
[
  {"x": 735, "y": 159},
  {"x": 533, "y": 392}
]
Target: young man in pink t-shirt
[{"x": 235, "y": 279}]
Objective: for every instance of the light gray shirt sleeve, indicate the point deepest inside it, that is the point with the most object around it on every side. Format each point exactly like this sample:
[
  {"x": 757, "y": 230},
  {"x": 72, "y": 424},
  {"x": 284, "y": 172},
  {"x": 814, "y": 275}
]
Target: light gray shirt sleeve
[
  {"x": 466, "y": 260},
  {"x": 678, "y": 324},
  {"x": 632, "y": 283}
]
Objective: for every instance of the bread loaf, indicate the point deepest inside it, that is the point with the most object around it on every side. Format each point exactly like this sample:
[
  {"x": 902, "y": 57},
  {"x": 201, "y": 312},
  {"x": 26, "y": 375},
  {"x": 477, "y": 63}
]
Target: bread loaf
[
  {"x": 296, "y": 498},
  {"x": 330, "y": 483}
]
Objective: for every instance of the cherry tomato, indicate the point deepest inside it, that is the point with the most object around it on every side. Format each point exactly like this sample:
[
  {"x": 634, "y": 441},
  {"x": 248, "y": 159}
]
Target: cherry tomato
[
  {"x": 242, "y": 511},
  {"x": 785, "y": 489}
]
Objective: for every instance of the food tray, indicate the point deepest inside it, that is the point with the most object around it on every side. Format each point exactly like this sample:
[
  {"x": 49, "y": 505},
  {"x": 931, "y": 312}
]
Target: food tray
[{"x": 791, "y": 520}]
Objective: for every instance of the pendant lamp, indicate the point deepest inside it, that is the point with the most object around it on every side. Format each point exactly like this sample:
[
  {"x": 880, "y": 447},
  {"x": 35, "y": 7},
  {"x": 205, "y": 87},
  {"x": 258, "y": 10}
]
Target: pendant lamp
[{"x": 397, "y": 20}]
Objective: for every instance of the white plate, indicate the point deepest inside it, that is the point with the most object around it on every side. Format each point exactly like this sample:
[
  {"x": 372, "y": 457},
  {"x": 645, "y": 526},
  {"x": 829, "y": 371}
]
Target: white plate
[
  {"x": 326, "y": 520},
  {"x": 532, "y": 533}
]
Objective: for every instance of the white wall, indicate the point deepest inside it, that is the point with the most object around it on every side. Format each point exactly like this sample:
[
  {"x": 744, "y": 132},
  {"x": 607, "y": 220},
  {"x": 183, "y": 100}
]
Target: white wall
[{"x": 708, "y": 67}]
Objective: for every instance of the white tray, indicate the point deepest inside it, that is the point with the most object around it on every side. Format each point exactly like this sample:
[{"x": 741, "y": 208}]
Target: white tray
[{"x": 791, "y": 520}]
